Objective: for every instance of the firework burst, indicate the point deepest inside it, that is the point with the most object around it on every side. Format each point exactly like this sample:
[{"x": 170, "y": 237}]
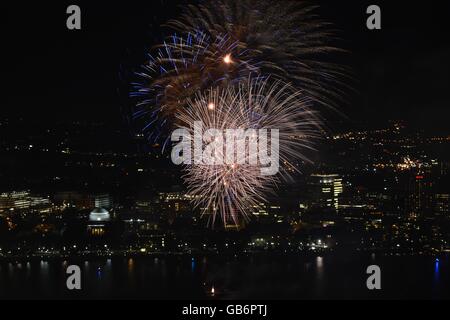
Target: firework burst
[
  {"x": 235, "y": 189},
  {"x": 283, "y": 39},
  {"x": 251, "y": 64},
  {"x": 179, "y": 69}
]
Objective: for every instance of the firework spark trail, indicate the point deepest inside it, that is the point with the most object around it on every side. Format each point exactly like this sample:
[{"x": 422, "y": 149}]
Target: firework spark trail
[
  {"x": 233, "y": 190},
  {"x": 283, "y": 38},
  {"x": 179, "y": 69}
]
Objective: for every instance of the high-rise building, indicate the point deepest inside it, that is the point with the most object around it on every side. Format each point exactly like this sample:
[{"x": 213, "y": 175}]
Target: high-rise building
[
  {"x": 103, "y": 201},
  {"x": 325, "y": 190},
  {"x": 419, "y": 194},
  {"x": 441, "y": 203}
]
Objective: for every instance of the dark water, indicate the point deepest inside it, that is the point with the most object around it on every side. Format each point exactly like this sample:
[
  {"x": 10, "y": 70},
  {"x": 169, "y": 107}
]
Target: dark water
[{"x": 334, "y": 276}]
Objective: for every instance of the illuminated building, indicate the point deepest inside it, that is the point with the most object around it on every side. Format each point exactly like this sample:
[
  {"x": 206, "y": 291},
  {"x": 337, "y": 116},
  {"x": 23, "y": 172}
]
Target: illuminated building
[
  {"x": 83, "y": 200},
  {"x": 232, "y": 226},
  {"x": 260, "y": 210},
  {"x": 145, "y": 205},
  {"x": 72, "y": 199},
  {"x": 103, "y": 201},
  {"x": 174, "y": 204},
  {"x": 268, "y": 213},
  {"x": 174, "y": 196},
  {"x": 441, "y": 203},
  {"x": 419, "y": 194},
  {"x": 22, "y": 200},
  {"x": 325, "y": 190},
  {"x": 99, "y": 214},
  {"x": 98, "y": 221}
]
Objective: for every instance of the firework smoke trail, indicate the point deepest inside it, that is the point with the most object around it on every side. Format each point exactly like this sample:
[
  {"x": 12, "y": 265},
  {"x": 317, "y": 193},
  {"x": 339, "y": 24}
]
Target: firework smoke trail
[
  {"x": 282, "y": 38},
  {"x": 179, "y": 69},
  {"x": 233, "y": 190}
]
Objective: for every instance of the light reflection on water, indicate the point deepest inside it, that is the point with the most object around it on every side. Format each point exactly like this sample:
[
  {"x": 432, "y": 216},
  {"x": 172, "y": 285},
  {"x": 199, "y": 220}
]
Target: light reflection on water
[
  {"x": 319, "y": 263},
  {"x": 436, "y": 270},
  {"x": 191, "y": 277},
  {"x": 130, "y": 265}
]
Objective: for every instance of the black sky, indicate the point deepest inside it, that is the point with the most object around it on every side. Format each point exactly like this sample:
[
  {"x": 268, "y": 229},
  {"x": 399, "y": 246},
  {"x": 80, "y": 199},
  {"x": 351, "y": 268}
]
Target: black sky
[{"x": 53, "y": 74}]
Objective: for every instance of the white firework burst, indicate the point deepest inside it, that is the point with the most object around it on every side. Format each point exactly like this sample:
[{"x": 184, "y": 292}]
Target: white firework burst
[{"x": 233, "y": 189}]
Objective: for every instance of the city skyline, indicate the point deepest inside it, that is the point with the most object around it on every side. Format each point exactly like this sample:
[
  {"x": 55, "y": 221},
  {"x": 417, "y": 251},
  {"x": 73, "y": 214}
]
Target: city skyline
[{"x": 86, "y": 182}]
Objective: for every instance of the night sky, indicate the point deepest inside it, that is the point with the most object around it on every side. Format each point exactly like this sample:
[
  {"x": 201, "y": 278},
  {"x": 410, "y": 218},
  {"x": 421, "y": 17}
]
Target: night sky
[{"x": 53, "y": 74}]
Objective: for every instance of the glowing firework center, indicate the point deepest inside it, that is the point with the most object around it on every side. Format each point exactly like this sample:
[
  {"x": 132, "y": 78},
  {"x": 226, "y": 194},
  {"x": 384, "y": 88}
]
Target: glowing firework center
[{"x": 230, "y": 147}]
